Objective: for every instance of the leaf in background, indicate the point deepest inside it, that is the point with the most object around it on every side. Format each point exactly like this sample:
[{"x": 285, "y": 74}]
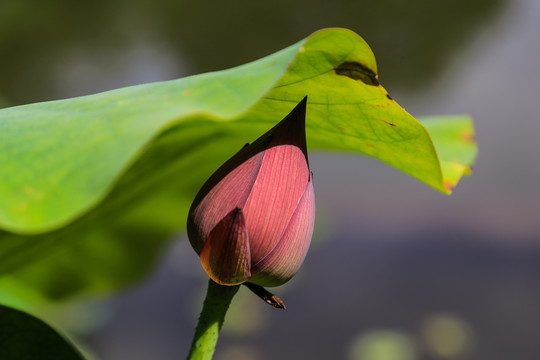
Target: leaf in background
[
  {"x": 24, "y": 337},
  {"x": 454, "y": 140},
  {"x": 107, "y": 179}
]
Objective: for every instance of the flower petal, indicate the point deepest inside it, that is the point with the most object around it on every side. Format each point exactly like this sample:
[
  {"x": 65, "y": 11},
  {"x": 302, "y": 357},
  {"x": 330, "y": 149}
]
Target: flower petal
[
  {"x": 281, "y": 181},
  {"x": 226, "y": 190},
  {"x": 226, "y": 256},
  {"x": 287, "y": 256}
]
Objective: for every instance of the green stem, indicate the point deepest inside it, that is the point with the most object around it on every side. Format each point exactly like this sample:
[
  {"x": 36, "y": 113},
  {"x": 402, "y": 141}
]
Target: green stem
[{"x": 218, "y": 298}]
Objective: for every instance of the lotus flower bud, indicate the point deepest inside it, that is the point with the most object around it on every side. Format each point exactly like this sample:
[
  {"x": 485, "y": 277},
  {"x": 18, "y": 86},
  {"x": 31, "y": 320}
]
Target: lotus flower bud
[{"x": 253, "y": 219}]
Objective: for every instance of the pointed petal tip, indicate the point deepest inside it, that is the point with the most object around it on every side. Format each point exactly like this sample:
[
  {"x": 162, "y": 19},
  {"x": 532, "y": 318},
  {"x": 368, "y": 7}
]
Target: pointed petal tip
[
  {"x": 292, "y": 129},
  {"x": 298, "y": 113},
  {"x": 300, "y": 109}
]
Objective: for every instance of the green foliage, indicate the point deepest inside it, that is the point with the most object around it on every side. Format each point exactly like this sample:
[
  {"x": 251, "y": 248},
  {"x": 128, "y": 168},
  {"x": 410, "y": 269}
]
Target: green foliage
[
  {"x": 24, "y": 337},
  {"x": 454, "y": 140},
  {"x": 93, "y": 187}
]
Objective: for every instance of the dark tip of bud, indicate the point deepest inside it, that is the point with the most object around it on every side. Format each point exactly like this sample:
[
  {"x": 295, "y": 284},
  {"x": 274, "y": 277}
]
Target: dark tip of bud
[
  {"x": 289, "y": 131},
  {"x": 292, "y": 129}
]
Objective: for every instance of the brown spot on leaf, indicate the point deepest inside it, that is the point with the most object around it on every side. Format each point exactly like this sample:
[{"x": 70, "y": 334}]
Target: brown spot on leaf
[
  {"x": 357, "y": 71},
  {"x": 468, "y": 137},
  {"x": 370, "y": 146},
  {"x": 389, "y": 123},
  {"x": 388, "y": 96},
  {"x": 448, "y": 185}
]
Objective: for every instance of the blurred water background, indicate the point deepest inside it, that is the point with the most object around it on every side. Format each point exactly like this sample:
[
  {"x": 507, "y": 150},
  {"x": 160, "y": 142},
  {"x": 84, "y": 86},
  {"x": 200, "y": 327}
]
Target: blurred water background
[{"x": 397, "y": 271}]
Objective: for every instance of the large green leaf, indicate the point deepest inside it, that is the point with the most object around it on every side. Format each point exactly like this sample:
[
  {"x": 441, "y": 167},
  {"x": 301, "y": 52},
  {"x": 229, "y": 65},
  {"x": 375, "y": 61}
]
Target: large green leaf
[
  {"x": 93, "y": 187},
  {"x": 60, "y": 158},
  {"x": 24, "y": 337}
]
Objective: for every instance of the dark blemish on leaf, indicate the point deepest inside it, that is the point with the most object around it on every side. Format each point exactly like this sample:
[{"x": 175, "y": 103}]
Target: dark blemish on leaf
[
  {"x": 389, "y": 123},
  {"x": 388, "y": 96},
  {"x": 358, "y": 71},
  {"x": 370, "y": 146}
]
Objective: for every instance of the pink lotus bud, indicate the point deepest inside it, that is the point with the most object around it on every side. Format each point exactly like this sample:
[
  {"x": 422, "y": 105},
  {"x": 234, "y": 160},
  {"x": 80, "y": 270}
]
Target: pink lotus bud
[{"x": 253, "y": 219}]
